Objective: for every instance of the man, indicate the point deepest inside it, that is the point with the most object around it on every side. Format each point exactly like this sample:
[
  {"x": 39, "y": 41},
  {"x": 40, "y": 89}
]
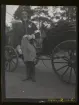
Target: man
[
  {"x": 29, "y": 54},
  {"x": 28, "y": 49}
]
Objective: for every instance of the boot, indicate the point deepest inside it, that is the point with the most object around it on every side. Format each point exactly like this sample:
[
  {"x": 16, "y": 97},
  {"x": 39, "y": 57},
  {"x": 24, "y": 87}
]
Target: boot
[
  {"x": 33, "y": 73},
  {"x": 27, "y": 72}
]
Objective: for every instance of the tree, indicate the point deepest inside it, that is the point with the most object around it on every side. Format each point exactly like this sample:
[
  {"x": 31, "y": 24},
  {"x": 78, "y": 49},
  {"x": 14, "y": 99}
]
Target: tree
[
  {"x": 41, "y": 14},
  {"x": 69, "y": 13}
]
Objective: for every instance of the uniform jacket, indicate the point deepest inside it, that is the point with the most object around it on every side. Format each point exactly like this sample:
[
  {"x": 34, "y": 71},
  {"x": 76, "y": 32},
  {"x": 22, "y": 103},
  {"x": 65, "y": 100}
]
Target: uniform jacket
[
  {"x": 31, "y": 27},
  {"x": 28, "y": 50}
]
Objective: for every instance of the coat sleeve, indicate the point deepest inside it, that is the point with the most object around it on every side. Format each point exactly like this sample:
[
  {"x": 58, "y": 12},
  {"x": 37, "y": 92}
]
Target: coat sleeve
[
  {"x": 24, "y": 44},
  {"x": 28, "y": 50},
  {"x": 32, "y": 51}
]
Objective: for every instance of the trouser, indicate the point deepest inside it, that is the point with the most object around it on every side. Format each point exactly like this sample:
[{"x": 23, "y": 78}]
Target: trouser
[{"x": 30, "y": 69}]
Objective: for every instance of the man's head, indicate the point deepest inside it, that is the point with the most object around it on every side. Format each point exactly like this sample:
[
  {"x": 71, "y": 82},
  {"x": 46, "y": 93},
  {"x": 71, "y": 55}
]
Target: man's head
[
  {"x": 26, "y": 12},
  {"x": 25, "y": 15}
]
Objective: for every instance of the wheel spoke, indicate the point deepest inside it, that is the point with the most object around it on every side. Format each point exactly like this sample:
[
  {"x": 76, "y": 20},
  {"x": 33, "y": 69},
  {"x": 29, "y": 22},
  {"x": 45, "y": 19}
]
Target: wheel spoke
[
  {"x": 13, "y": 57},
  {"x": 65, "y": 71},
  {"x": 6, "y": 64},
  {"x": 9, "y": 66},
  {"x": 63, "y": 57},
  {"x": 60, "y": 62},
  {"x": 70, "y": 75},
  {"x": 7, "y": 55},
  {"x": 61, "y": 67},
  {"x": 74, "y": 70},
  {"x": 71, "y": 54},
  {"x": 13, "y": 62}
]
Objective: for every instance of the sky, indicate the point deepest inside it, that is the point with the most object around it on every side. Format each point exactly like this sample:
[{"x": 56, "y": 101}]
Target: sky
[{"x": 10, "y": 9}]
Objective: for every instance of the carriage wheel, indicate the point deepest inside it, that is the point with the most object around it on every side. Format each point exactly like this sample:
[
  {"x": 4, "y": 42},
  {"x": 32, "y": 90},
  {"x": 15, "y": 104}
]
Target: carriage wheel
[
  {"x": 64, "y": 61},
  {"x": 11, "y": 58}
]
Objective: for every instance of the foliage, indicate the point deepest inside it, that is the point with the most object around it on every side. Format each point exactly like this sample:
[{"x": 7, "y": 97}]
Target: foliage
[{"x": 69, "y": 13}]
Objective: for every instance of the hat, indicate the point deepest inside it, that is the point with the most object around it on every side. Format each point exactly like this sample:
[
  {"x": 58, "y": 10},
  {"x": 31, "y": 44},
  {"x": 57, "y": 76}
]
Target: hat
[
  {"x": 27, "y": 9},
  {"x": 20, "y": 9}
]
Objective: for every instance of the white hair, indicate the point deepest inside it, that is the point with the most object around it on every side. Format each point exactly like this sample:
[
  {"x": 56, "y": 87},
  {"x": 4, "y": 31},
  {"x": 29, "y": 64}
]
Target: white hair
[{"x": 25, "y": 36}]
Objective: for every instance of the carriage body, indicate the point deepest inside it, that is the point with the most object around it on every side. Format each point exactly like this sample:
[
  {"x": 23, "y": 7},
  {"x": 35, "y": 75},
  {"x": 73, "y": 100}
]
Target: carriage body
[{"x": 50, "y": 42}]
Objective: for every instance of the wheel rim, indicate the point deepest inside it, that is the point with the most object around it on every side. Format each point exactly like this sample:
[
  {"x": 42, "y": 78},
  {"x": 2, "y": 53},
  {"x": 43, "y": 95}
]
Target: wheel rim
[
  {"x": 64, "y": 64},
  {"x": 11, "y": 59}
]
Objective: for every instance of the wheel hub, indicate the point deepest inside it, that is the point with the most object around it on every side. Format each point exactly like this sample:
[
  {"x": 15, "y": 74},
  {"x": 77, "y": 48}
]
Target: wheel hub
[{"x": 72, "y": 63}]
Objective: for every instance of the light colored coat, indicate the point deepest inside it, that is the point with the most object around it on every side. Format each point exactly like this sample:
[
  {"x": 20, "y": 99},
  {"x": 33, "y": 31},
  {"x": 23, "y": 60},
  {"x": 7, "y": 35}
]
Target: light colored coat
[{"x": 28, "y": 50}]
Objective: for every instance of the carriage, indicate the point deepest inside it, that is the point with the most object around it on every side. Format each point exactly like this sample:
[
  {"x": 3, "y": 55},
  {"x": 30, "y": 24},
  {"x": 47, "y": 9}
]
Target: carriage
[{"x": 59, "y": 46}]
